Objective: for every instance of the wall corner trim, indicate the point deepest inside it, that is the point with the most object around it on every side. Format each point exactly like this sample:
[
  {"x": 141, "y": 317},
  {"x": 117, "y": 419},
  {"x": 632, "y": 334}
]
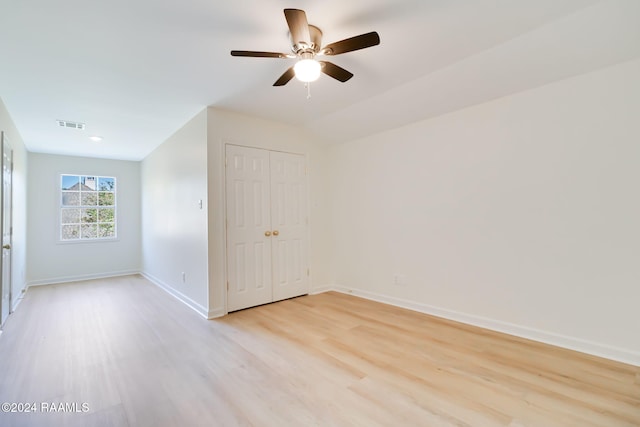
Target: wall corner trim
[
  {"x": 202, "y": 311},
  {"x": 214, "y": 314},
  {"x": 315, "y": 290}
]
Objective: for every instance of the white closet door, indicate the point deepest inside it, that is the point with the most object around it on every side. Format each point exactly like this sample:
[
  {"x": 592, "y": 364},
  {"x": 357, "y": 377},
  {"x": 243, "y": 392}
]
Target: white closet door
[
  {"x": 248, "y": 219},
  {"x": 289, "y": 225}
]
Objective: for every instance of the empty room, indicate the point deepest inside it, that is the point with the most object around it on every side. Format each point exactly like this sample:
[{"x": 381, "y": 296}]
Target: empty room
[{"x": 366, "y": 213}]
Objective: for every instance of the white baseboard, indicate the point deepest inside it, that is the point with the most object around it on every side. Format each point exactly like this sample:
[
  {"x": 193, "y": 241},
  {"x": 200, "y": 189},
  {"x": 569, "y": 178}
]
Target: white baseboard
[
  {"x": 214, "y": 314},
  {"x": 80, "y": 278},
  {"x": 202, "y": 311},
  {"x": 18, "y": 300},
  {"x": 584, "y": 346},
  {"x": 322, "y": 289}
]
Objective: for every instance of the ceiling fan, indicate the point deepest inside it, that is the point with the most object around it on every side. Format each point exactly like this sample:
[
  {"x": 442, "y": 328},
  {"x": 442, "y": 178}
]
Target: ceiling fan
[{"x": 306, "y": 42}]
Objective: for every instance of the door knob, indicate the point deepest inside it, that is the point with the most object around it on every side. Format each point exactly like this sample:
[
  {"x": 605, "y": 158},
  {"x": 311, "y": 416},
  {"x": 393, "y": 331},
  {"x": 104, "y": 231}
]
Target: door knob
[
  {"x": 276, "y": 232},
  {"x": 267, "y": 233},
  {"x": 6, "y": 246}
]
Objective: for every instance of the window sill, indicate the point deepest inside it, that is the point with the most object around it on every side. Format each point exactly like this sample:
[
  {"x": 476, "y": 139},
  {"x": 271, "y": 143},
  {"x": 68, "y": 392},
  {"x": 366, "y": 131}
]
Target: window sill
[{"x": 81, "y": 241}]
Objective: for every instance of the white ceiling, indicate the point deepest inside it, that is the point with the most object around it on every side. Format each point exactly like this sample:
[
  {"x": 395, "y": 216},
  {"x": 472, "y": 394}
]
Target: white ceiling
[{"x": 135, "y": 71}]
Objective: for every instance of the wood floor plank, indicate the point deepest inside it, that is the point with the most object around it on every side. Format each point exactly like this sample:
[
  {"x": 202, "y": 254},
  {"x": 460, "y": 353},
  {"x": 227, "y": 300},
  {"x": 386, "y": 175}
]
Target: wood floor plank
[{"x": 138, "y": 357}]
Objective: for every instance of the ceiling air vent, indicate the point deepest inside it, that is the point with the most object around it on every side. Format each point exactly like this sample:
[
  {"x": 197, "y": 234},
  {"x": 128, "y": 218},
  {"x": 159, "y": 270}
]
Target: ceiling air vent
[{"x": 70, "y": 125}]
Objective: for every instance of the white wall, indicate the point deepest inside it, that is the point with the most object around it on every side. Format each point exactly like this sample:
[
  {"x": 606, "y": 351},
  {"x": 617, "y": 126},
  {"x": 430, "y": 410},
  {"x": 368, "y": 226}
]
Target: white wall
[
  {"x": 521, "y": 214},
  {"x": 19, "y": 182},
  {"x": 174, "y": 233},
  {"x": 227, "y": 127},
  {"x": 48, "y": 260}
]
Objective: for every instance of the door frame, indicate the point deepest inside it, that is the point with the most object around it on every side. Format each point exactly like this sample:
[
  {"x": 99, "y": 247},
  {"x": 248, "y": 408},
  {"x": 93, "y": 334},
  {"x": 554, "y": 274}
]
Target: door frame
[
  {"x": 224, "y": 144},
  {"x": 4, "y": 141}
]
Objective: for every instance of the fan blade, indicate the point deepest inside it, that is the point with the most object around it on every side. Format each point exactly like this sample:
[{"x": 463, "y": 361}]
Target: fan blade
[
  {"x": 332, "y": 70},
  {"x": 284, "y": 79},
  {"x": 298, "y": 26},
  {"x": 254, "y": 54},
  {"x": 354, "y": 43}
]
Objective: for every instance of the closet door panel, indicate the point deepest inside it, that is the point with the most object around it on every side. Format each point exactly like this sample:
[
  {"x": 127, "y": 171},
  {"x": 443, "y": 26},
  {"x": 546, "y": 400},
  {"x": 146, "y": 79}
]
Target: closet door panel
[
  {"x": 289, "y": 222},
  {"x": 249, "y": 246}
]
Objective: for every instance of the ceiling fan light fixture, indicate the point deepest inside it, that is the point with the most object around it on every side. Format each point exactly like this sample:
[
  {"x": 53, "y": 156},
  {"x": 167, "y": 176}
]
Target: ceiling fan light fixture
[
  {"x": 307, "y": 70},
  {"x": 306, "y": 42}
]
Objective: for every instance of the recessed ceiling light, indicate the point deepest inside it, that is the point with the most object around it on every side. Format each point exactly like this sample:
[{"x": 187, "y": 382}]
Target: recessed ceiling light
[{"x": 95, "y": 138}]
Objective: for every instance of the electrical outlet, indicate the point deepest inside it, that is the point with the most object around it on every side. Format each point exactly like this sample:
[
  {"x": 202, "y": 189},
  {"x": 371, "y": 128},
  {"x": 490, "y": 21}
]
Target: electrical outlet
[{"x": 400, "y": 280}]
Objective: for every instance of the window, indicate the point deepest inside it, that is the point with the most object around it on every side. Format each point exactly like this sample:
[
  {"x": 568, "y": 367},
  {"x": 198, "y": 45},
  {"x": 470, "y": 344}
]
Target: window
[{"x": 87, "y": 207}]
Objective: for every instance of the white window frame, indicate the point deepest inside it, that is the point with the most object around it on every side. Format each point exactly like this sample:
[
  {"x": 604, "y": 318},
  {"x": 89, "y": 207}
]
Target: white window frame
[{"x": 61, "y": 207}]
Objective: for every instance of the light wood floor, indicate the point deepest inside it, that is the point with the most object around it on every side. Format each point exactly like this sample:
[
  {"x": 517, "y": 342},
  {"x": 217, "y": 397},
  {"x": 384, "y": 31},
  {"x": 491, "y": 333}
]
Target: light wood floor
[{"x": 140, "y": 358}]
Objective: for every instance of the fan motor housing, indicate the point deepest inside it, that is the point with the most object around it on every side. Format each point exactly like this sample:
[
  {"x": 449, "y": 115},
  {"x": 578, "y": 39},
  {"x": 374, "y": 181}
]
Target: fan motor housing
[{"x": 316, "y": 42}]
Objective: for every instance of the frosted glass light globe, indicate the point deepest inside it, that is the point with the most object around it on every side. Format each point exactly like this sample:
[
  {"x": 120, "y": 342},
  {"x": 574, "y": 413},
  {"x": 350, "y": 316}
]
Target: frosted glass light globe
[{"x": 307, "y": 70}]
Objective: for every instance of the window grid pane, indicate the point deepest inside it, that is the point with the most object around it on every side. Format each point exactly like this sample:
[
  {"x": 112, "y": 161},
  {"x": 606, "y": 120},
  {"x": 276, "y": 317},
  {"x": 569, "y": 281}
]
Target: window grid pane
[
  {"x": 70, "y": 232},
  {"x": 70, "y": 198},
  {"x": 70, "y": 216},
  {"x": 87, "y": 207},
  {"x": 88, "y": 199}
]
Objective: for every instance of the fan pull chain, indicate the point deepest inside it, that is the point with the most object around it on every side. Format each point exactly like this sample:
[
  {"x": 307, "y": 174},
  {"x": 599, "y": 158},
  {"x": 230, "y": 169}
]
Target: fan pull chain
[{"x": 308, "y": 86}]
